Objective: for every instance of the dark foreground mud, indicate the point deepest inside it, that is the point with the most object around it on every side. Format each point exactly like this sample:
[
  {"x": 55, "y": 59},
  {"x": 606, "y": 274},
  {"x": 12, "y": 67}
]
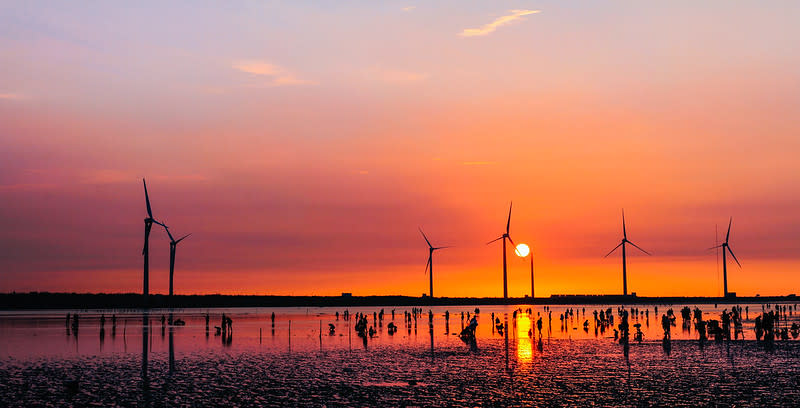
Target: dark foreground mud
[{"x": 563, "y": 373}]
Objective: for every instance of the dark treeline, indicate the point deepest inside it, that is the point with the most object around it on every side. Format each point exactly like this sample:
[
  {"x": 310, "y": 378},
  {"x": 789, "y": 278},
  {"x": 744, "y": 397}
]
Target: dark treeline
[{"x": 47, "y": 300}]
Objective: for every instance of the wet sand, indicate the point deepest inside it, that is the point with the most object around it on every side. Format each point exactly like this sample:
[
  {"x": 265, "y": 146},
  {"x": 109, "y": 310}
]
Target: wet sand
[{"x": 572, "y": 367}]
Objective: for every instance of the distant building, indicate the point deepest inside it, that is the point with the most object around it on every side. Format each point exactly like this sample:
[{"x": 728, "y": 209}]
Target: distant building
[{"x": 347, "y": 294}]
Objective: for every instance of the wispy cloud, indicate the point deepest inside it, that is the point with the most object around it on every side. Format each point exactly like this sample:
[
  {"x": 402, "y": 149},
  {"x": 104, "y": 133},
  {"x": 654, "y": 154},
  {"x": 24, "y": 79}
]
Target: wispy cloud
[
  {"x": 113, "y": 176},
  {"x": 11, "y": 96},
  {"x": 409, "y": 8},
  {"x": 500, "y": 21},
  {"x": 13, "y": 188},
  {"x": 278, "y": 75},
  {"x": 393, "y": 75}
]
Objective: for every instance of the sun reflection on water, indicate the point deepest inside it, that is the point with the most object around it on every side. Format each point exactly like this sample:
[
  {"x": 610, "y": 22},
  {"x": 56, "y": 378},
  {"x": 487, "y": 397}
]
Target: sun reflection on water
[{"x": 524, "y": 343}]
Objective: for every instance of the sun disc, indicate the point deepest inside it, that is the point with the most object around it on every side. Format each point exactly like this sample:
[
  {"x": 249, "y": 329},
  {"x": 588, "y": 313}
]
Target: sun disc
[{"x": 522, "y": 250}]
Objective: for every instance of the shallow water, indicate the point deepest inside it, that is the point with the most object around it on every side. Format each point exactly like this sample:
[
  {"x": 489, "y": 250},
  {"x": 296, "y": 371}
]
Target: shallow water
[{"x": 44, "y": 363}]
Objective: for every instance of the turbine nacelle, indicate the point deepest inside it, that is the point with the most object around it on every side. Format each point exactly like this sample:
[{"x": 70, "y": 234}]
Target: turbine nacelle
[
  {"x": 431, "y": 249},
  {"x": 172, "y": 240},
  {"x": 726, "y": 246}
]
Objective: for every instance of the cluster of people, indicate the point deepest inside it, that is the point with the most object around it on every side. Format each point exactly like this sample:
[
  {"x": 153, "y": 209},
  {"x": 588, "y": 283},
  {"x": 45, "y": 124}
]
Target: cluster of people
[
  {"x": 361, "y": 326},
  {"x": 765, "y": 326},
  {"x": 622, "y": 332},
  {"x": 225, "y": 329},
  {"x": 603, "y": 319},
  {"x": 72, "y": 324},
  {"x": 769, "y": 325},
  {"x": 364, "y": 329}
]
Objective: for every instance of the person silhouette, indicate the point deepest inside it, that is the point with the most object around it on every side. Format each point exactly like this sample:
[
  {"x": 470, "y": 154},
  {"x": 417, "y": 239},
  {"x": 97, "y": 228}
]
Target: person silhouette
[
  {"x": 666, "y": 325},
  {"x": 75, "y": 324},
  {"x": 726, "y": 324},
  {"x": 624, "y": 329},
  {"x": 468, "y": 334}
]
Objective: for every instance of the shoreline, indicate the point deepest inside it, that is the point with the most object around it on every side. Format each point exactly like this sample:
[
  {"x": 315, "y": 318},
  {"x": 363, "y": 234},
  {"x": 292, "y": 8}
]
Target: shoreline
[{"x": 56, "y": 301}]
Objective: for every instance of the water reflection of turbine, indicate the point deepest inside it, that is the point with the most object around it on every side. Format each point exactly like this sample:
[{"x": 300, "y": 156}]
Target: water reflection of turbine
[
  {"x": 524, "y": 343},
  {"x": 505, "y": 333},
  {"x": 171, "y": 351},
  {"x": 431, "y": 333},
  {"x": 145, "y": 378}
]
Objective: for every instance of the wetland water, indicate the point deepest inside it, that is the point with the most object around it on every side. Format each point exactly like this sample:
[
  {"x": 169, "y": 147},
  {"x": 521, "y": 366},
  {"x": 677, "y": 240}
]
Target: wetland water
[{"x": 141, "y": 362}]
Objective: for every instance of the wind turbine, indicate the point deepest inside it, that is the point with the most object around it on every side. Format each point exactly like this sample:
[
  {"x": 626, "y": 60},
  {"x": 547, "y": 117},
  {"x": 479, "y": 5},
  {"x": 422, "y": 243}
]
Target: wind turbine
[
  {"x": 624, "y": 259},
  {"x": 429, "y": 265},
  {"x": 173, "y": 246},
  {"x": 505, "y": 263},
  {"x": 148, "y": 224},
  {"x": 726, "y": 247}
]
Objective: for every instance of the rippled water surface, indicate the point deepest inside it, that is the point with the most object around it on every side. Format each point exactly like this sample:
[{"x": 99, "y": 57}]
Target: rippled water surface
[{"x": 299, "y": 362}]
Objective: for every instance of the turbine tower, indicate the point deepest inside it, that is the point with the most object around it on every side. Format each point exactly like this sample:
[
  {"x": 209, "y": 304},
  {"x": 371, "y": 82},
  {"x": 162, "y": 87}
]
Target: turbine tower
[
  {"x": 148, "y": 224},
  {"x": 726, "y": 247},
  {"x": 624, "y": 258},
  {"x": 429, "y": 265},
  {"x": 173, "y": 246},
  {"x": 505, "y": 237}
]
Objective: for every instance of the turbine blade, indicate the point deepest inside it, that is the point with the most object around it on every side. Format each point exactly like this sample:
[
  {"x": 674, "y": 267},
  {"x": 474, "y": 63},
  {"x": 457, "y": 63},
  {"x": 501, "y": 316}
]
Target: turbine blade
[
  {"x": 147, "y": 199},
  {"x": 728, "y": 236},
  {"x": 508, "y": 224},
  {"x": 427, "y": 264},
  {"x": 171, "y": 239},
  {"x": 615, "y": 248},
  {"x": 426, "y": 238},
  {"x": 511, "y": 240},
  {"x": 182, "y": 238},
  {"x": 637, "y": 247},
  {"x": 444, "y": 247},
  {"x": 496, "y": 239},
  {"x": 734, "y": 256},
  {"x": 714, "y": 247},
  {"x": 624, "y": 232}
]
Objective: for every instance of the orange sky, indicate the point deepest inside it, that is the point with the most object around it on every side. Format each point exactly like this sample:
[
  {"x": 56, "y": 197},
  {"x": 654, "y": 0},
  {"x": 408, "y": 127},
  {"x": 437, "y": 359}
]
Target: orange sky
[{"x": 304, "y": 145}]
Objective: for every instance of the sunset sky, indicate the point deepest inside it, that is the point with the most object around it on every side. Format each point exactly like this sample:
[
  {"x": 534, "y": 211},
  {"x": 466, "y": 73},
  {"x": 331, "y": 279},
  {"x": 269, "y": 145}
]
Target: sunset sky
[{"x": 303, "y": 143}]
